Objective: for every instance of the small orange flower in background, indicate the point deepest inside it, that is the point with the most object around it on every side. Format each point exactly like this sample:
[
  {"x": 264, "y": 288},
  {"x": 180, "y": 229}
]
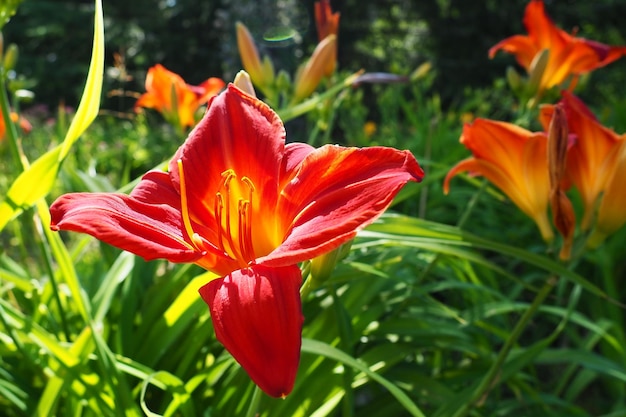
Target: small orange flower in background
[
  {"x": 513, "y": 159},
  {"x": 178, "y": 101},
  {"x": 23, "y": 123},
  {"x": 326, "y": 21},
  {"x": 327, "y": 24},
  {"x": 594, "y": 165},
  {"x": 568, "y": 55}
]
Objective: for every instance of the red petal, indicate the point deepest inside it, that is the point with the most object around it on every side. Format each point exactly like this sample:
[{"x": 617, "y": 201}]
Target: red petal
[
  {"x": 294, "y": 155},
  {"x": 336, "y": 192},
  {"x": 257, "y": 316},
  {"x": 151, "y": 230},
  {"x": 238, "y": 133}
]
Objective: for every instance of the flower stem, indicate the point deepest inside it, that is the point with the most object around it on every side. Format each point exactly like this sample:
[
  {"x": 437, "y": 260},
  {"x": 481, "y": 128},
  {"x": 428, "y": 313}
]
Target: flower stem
[
  {"x": 481, "y": 392},
  {"x": 11, "y": 129}
]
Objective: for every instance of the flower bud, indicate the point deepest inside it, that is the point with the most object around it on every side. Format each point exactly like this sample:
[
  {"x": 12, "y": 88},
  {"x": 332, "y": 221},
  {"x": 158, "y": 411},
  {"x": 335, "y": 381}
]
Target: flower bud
[
  {"x": 563, "y": 215},
  {"x": 10, "y": 57},
  {"x": 261, "y": 73},
  {"x": 514, "y": 79},
  {"x": 243, "y": 82},
  {"x": 536, "y": 70},
  {"x": 323, "y": 266},
  {"x": 311, "y": 74}
]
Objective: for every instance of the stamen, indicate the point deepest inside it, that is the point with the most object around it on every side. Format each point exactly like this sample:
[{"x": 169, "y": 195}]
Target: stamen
[
  {"x": 184, "y": 208},
  {"x": 218, "y": 209},
  {"x": 198, "y": 242},
  {"x": 246, "y": 224},
  {"x": 228, "y": 175},
  {"x": 239, "y": 247}
]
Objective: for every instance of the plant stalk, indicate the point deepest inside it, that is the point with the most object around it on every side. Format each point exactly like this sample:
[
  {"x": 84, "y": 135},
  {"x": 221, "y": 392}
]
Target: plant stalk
[{"x": 481, "y": 392}]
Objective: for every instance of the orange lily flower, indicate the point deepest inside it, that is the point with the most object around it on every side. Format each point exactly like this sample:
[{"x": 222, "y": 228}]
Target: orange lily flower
[
  {"x": 23, "y": 123},
  {"x": 611, "y": 213},
  {"x": 178, "y": 101},
  {"x": 240, "y": 202},
  {"x": 326, "y": 21},
  {"x": 514, "y": 160},
  {"x": 596, "y": 165},
  {"x": 568, "y": 55},
  {"x": 591, "y": 160}
]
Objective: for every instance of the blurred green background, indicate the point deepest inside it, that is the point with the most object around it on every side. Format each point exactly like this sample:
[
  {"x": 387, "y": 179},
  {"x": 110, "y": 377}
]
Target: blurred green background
[{"x": 197, "y": 38}]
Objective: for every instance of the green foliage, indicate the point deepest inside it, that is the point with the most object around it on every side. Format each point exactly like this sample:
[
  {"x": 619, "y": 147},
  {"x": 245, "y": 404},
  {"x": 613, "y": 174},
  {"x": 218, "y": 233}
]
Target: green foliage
[{"x": 446, "y": 306}]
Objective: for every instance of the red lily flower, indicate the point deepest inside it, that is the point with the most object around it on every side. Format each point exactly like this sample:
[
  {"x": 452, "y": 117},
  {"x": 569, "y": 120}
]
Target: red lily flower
[
  {"x": 178, "y": 101},
  {"x": 568, "y": 55},
  {"x": 240, "y": 202}
]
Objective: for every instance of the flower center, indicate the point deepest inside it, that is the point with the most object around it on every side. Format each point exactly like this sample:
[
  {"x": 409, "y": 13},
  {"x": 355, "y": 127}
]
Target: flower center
[{"x": 233, "y": 216}]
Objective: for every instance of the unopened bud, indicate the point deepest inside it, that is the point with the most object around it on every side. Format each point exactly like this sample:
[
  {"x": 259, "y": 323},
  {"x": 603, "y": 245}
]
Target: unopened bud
[
  {"x": 323, "y": 266},
  {"x": 243, "y": 82},
  {"x": 536, "y": 71},
  {"x": 250, "y": 60},
  {"x": 563, "y": 215},
  {"x": 421, "y": 71},
  {"x": 514, "y": 79},
  {"x": 10, "y": 57},
  {"x": 309, "y": 76}
]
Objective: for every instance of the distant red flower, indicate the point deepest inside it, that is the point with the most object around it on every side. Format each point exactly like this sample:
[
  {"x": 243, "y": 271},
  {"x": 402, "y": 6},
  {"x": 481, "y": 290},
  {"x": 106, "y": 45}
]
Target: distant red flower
[
  {"x": 240, "y": 202},
  {"x": 178, "y": 101},
  {"x": 568, "y": 55}
]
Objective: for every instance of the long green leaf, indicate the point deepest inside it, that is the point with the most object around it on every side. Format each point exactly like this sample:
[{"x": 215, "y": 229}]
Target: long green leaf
[
  {"x": 319, "y": 348},
  {"x": 37, "y": 180}
]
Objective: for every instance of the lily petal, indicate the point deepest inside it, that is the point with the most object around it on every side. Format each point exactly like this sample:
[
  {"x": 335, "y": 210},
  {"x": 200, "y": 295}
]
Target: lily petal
[
  {"x": 611, "y": 213},
  {"x": 336, "y": 192},
  {"x": 238, "y": 133},
  {"x": 586, "y": 165},
  {"x": 152, "y": 231},
  {"x": 257, "y": 316},
  {"x": 515, "y": 160}
]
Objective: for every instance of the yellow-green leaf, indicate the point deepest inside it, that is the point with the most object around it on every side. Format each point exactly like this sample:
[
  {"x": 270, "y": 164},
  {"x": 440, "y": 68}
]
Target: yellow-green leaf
[
  {"x": 90, "y": 101},
  {"x": 36, "y": 181}
]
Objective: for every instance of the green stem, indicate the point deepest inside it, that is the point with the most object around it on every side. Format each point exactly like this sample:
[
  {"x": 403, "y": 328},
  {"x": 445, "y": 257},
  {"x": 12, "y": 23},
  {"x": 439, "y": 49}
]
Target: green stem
[
  {"x": 292, "y": 112},
  {"x": 45, "y": 250},
  {"x": 345, "y": 336},
  {"x": 254, "y": 402},
  {"x": 481, "y": 392}
]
